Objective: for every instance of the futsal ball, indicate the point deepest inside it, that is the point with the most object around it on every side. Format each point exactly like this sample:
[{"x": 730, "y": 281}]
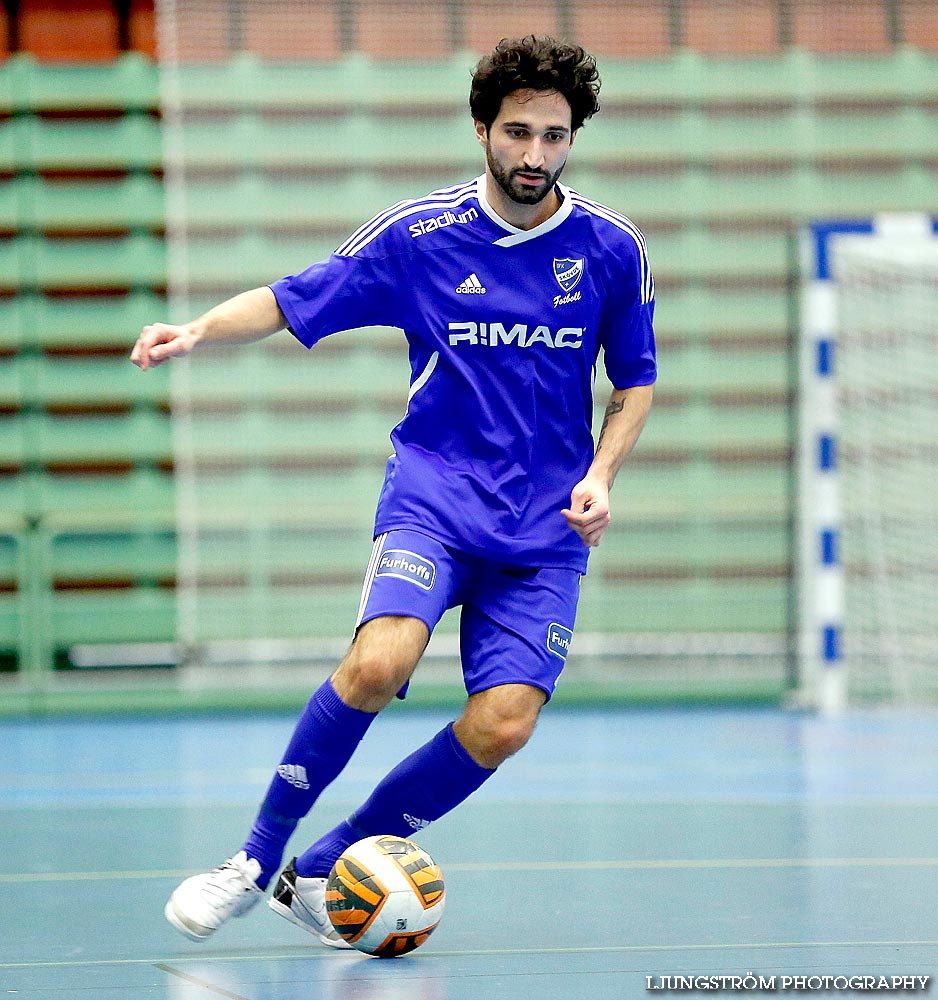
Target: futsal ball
[{"x": 385, "y": 896}]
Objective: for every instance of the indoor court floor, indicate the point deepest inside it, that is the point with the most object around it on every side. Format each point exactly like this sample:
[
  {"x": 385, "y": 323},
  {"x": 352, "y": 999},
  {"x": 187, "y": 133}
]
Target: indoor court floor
[{"x": 620, "y": 845}]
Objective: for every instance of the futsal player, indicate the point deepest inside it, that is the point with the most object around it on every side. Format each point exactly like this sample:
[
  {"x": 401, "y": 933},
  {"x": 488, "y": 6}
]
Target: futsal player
[{"x": 506, "y": 288}]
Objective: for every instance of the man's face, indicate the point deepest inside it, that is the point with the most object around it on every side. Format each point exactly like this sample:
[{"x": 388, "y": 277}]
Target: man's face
[{"x": 527, "y": 146}]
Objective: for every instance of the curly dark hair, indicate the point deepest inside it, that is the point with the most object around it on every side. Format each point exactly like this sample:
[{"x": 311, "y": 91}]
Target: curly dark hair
[{"x": 535, "y": 63}]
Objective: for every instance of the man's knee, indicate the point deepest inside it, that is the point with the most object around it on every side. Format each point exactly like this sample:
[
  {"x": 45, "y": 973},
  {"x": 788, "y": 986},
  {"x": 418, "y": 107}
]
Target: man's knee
[
  {"x": 497, "y": 723},
  {"x": 382, "y": 658},
  {"x": 507, "y": 737}
]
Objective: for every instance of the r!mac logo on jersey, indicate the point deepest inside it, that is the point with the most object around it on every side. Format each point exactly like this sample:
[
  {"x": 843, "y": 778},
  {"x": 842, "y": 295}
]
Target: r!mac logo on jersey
[
  {"x": 517, "y": 334},
  {"x": 407, "y": 566},
  {"x": 559, "y": 638}
]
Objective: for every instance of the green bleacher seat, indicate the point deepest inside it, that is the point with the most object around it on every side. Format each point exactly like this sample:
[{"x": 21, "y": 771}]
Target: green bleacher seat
[
  {"x": 373, "y": 140},
  {"x": 728, "y": 428},
  {"x": 919, "y": 137},
  {"x": 678, "y": 195},
  {"x": 699, "y": 313},
  {"x": 9, "y": 562},
  {"x": 792, "y": 77},
  {"x": 11, "y": 323},
  {"x": 705, "y": 370},
  {"x": 698, "y": 489},
  {"x": 351, "y": 141},
  {"x": 12, "y": 266},
  {"x": 8, "y": 85},
  {"x": 95, "y": 381},
  {"x": 878, "y": 133},
  {"x": 338, "y": 204},
  {"x": 700, "y": 252},
  {"x": 320, "y": 376},
  {"x": 130, "y": 82},
  {"x": 131, "y": 142},
  {"x": 133, "y": 202},
  {"x": 626, "y": 137},
  {"x": 87, "y": 323},
  {"x": 890, "y": 77},
  {"x": 649, "y": 82},
  {"x": 643, "y": 605},
  {"x": 258, "y": 437},
  {"x": 861, "y": 192},
  {"x": 768, "y": 82},
  {"x": 10, "y": 131},
  {"x": 13, "y": 450},
  {"x": 142, "y": 498},
  {"x": 14, "y": 490},
  {"x": 247, "y": 82},
  {"x": 216, "y": 142},
  {"x": 131, "y": 261},
  {"x": 11, "y": 382},
  {"x": 769, "y": 195},
  {"x": 313, "y": 495},
  {"x": 302, "y": 551},
  {"x": 700, "y": 544},
  {"x": 140, "y": 436},
  {"x": 138, "y": 614},
  {"x": 287, "y": 612},
  {"x": 249, "y": 259},
  {"x": 9, "y": 204},
  {"x": 11, "y": 600},
  {"x": 108, "y": 553},
  {"x": 411, "y": 84},
  {"x": 739, "y": 138},
  {"x": 773, "y": 196}
]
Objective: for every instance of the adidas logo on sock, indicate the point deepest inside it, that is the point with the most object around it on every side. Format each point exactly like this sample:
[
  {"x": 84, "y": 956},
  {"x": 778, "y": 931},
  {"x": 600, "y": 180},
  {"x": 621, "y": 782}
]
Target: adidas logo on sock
[
  {"x": 295, "y": 774},
  {"x": 471, "y": 286},
  {"x": 414, "y": 823}
]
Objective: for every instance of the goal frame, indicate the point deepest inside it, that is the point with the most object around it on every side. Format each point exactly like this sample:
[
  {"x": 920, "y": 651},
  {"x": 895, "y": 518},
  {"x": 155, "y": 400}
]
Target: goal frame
[{"x": 822, "y": 669}]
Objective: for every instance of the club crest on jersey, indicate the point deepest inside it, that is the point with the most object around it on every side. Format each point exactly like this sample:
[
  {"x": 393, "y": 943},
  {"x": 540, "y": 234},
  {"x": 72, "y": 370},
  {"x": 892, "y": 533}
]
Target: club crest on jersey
[{"x": 568, "y": 272}]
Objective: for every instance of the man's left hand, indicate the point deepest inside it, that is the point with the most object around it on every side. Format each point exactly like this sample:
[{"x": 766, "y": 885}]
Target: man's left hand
[{"x": 588, "y": 513}]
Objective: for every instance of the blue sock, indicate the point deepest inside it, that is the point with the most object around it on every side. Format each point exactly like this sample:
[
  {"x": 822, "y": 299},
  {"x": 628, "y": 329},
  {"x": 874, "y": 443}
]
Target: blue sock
[
  {"x": 324, "y": 739},
  {"x": 421, "y": 789}
]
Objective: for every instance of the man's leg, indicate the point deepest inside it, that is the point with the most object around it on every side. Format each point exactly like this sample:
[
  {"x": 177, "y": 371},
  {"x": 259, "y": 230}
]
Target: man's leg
[
  {"x": 515, "y": 629},
  {"x": 495, "y": 724},
  {"x": 382, "y": 658}
]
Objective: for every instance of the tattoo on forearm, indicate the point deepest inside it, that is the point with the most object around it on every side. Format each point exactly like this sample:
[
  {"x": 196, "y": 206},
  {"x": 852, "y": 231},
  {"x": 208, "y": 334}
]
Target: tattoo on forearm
[{"x": 612, "y": 409}]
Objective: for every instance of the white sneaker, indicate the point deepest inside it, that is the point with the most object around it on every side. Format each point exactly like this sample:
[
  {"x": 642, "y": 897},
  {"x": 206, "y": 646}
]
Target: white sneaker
[
  {"x": 303, "y": 902},
  {"x": 202, "y": 903}
]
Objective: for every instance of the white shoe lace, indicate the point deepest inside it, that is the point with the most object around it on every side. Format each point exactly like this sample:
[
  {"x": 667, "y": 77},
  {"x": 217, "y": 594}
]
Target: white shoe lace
[{"x": 224, "y": 886}]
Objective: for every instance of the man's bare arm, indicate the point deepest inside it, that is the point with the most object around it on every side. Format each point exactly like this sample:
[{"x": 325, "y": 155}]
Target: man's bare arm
[
  {"x": 626, "y": 414},
  {"x": 243, "y": 319}
]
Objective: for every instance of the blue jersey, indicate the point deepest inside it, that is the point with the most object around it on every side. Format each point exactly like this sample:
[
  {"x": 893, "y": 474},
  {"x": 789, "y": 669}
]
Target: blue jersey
[{"x": 504, "y": 328}]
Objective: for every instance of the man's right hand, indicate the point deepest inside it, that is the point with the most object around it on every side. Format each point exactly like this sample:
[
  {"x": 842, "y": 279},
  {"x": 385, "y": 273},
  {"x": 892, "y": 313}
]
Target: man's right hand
[{"x": 160, "y": 342}]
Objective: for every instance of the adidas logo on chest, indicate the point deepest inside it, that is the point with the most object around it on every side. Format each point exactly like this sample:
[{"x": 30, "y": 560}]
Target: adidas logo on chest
[{"x": 471, "y": 286}]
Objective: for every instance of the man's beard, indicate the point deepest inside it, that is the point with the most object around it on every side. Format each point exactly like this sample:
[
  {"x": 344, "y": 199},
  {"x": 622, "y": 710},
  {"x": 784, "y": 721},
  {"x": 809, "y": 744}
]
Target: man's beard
[{"x": 519, "y": 193}]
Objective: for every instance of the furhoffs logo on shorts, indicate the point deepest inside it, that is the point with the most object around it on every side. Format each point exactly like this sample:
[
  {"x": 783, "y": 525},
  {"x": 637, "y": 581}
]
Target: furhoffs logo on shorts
[
  {"x": 559, "y": 638},
  {"x": 407, "y": 566}
]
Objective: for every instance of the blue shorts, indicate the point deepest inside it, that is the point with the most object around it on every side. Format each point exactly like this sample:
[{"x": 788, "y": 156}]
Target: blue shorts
[{"x": 516, "y": 622}]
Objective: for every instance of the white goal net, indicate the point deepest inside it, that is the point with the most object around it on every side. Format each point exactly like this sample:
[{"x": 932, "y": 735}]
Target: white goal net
[{"x": 887, "y": 374}]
